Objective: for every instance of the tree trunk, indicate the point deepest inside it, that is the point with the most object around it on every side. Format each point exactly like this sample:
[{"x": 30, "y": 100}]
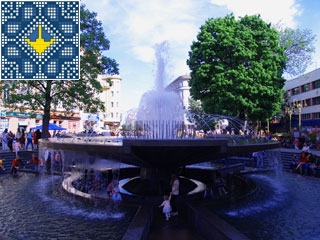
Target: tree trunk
[{"x": 46, "y": 111}]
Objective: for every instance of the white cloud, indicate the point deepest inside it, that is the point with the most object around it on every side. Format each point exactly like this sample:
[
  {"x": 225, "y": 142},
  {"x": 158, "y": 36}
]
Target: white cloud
[
  {"x": 143, "y": 53},
  {"x": 135, "y": 26},
  {"x": 273, "y": 11}
]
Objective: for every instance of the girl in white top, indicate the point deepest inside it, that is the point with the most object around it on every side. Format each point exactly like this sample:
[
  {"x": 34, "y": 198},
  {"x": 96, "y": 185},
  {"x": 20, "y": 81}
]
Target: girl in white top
[{"x": 166, "y": 206}]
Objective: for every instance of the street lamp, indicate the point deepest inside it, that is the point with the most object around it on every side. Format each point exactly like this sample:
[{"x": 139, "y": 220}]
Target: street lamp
[
  {"x": 290, "y": 110},
  {"x": 299, "y": 104}
]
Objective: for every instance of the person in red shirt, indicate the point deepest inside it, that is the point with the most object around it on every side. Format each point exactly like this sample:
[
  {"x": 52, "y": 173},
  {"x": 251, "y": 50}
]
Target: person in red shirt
[
  {"x": 15, "y": 165},
  {"x": 302, "y": 162},
  {"x": 35, "y": 161}
]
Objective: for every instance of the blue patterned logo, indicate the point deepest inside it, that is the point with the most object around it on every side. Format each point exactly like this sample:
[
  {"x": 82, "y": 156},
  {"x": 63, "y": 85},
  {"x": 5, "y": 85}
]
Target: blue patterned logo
[{"x": 40, "y": 40}]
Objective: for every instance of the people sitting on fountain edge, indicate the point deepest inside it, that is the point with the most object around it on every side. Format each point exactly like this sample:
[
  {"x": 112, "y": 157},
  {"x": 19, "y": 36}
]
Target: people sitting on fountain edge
[
  {"x": 294, "y": 163},
  {"x": 305, "y": 148},
  {"x": 302, "y": 163},
  {"x": 208, "y": 192},
  {"x": 1, "y": 165},
  {"x": 15, "y": 165},
  {"x": 220, "y": 184},
  {"x": 36, "y": 162}
]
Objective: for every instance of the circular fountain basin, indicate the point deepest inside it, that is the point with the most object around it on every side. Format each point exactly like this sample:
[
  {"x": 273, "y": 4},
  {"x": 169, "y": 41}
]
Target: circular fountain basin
[
  {"x": 36, "y": 207},
  {"x": 165, "y": 154}
]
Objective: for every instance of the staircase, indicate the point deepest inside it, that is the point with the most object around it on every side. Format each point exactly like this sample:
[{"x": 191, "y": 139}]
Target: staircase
[
  {"x": 286, "y": 158},
  {"x": 8, "y": 156}
]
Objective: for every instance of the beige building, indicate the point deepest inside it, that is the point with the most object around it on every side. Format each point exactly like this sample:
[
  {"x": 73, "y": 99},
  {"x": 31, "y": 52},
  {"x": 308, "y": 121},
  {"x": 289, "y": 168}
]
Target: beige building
[
  {"x": 110, "y": 96},
  {"x": 181, "y": 86},
  {"x": 80, "y": 121}
]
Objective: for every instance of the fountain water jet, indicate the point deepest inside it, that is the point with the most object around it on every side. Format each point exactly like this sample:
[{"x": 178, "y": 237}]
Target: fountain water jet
[{"x": 161, "y": 113}]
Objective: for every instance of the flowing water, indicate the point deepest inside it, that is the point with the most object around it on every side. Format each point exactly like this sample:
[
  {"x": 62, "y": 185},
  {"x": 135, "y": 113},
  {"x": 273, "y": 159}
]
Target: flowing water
[
  {"x": 284, "y": 207},
  {"x": 161, "y": 113},
  {"x": 36, "y": 207}
]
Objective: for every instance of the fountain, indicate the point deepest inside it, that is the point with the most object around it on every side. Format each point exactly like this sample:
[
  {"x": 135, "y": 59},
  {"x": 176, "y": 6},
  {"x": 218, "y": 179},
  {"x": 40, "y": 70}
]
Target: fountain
[
  {"x": 141, "y": 162},
  {"x": 283, "y": 207},
  {"x": 158, "y": 147},
  {"x": 161, "y": 113}
]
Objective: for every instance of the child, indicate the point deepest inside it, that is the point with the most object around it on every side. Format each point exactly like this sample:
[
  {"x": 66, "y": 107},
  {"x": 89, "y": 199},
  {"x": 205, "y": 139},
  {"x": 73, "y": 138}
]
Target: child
[
  {"x": 1, "y": 165},
  {"x": 166, "y": 206}
]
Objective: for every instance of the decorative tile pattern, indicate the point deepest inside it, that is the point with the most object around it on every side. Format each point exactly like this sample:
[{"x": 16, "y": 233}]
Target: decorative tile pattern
[{"x": 40, "y": 40}]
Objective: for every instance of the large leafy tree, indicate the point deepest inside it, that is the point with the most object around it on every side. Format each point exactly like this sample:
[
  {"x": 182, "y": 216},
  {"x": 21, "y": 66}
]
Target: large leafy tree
[
  {"x": 236, "y": 68},
  {"x": 299, "y": 47},
  {"x": 47, "y": 95}
]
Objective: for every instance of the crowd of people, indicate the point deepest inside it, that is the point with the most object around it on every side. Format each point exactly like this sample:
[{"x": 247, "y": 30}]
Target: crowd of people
[
  {"x": 305, "y": 162},
  {"x": 20, "y": 140},
  {"x": 99, "y": 181}
]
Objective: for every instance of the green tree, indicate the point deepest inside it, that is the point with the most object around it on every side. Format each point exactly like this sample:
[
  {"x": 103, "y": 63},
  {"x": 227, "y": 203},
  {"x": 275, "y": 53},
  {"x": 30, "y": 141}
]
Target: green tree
[
  {"x": 236, "y": 68},
  {"x": 47, "y": 95},
  {"x": 299, "y": 47}
]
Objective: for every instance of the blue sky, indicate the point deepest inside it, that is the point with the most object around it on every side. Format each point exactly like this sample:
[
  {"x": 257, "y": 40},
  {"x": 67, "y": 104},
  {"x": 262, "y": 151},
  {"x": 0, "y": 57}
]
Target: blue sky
[{"x": 135, "y": 26}]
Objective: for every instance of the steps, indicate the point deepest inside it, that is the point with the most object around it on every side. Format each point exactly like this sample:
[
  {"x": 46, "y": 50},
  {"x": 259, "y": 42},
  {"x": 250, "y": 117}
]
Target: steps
[{"x": 8, "y": 156}]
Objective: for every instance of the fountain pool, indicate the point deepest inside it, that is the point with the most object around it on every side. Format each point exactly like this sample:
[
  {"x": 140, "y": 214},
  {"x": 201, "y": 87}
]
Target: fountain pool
[
  {"x": 36, "y": 207},
  {"x": 284, "y": 207}
]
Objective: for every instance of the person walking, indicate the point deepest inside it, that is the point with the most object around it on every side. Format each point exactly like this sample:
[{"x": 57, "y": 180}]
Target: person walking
[
  {"x": 166, "y": 206},
  {"x": 22, "y": 139},
  {"x": 29, "y": 140},
  {"x": 4, "y": 140},
  {"x": 175, "y": 186}
]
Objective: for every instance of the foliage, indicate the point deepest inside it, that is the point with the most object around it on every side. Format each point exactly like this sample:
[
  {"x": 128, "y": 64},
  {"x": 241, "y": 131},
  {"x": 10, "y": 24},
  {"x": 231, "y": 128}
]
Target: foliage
[
  {"x": 299, "y": 47},
  {"x": 236, "y": 68},
  {"x": 48, "y": 95}
]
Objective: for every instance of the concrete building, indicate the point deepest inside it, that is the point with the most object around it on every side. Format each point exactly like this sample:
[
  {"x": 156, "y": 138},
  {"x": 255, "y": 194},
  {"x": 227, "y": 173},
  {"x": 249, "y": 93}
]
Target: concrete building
[
  {"x": 79, "y": 121},
  {"x": 181, "y": 86},
  {"x": 304, "y": 98},
  {"x": 110, "y": 96}
]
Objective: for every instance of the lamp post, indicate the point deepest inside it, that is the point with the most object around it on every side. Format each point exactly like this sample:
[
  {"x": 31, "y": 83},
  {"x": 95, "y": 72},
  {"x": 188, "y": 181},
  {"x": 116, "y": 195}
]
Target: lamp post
[
  {"x": 299, "y": 105},
  {"x": 290, "y": 111}
]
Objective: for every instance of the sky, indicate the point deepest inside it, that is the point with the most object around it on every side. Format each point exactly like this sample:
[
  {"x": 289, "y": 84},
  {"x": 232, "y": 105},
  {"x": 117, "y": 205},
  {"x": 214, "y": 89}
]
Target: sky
[{"x": 135, "y": 27}]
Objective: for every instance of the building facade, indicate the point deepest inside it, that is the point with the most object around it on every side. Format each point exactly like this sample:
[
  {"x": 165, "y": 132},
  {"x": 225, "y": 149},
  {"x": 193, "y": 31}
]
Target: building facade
[
  {"x": 181, "y": 86},
  {"x": 110, "y": 96},
  {"x": 79, "y": 121},
  {"x": 303, "y": 95}
]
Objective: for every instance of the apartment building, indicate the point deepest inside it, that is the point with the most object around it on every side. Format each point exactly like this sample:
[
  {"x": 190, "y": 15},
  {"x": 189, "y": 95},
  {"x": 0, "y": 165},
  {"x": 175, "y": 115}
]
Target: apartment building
[
  {"x": 110, "y": 96},
  {"x": 80, "y": 121},
  {"x": 304, "y": 99}
]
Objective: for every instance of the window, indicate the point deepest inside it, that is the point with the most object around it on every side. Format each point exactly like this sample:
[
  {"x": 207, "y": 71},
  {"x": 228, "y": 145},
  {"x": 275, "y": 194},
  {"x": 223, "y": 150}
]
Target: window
[
  {"x": 296, "y": 90},
  {"x": 308, "y": 102},
  {"x": 288, "y": 93},
  {"x": 306, "y": 116},
  {"x": 306, "y": 87},
  {"x": 316, "y": 101},
  {"x": 112, "y": 104},
  {"x": 316, "y": 84},
  {"x": 316, "y": 115}
]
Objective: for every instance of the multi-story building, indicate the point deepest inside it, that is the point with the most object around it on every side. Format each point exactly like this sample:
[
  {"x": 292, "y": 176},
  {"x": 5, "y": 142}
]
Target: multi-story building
[
  {"x": 110, "y": 96},
  {"x": 304, "y": 98},
  {"x": 181, "y": 86}
]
